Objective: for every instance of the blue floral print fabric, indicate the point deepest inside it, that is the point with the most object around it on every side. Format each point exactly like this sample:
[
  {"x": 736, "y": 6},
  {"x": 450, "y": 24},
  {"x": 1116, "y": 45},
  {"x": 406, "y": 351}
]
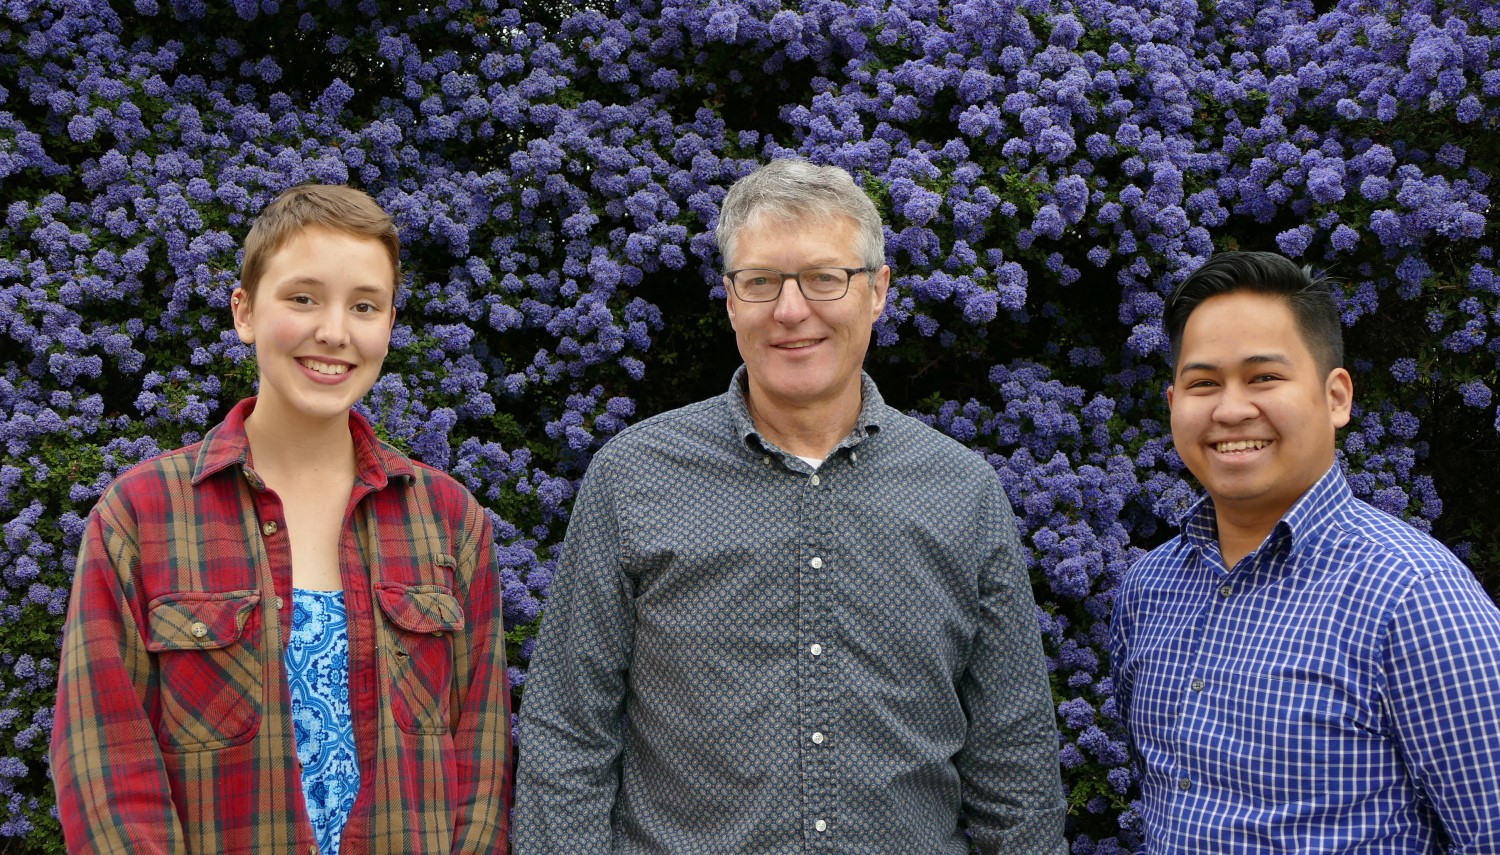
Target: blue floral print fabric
[{"x": 317, "y": 667}]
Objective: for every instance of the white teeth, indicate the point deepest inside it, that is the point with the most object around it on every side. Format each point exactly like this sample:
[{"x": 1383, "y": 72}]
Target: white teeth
[
  {"x": 1240, "y": 445},
  {"x": 325, "y": 368},
  {"x": 794, "y": 345}
]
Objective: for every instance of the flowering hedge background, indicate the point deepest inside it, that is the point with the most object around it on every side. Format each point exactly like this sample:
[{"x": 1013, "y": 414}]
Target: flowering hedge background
[{"x": 1049, "y": 169}]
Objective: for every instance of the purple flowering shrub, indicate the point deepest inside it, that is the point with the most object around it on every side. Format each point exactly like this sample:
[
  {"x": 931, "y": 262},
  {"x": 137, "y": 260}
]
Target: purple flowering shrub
[{"x": 1049, "y": 169}]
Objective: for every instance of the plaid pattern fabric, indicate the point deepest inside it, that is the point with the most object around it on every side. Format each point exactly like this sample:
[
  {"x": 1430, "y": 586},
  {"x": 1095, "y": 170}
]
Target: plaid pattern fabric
[
  {"x": 1337, "y": 691},
  {"x": 173, "y": 724},
  {"x": 742, "y": 654}
]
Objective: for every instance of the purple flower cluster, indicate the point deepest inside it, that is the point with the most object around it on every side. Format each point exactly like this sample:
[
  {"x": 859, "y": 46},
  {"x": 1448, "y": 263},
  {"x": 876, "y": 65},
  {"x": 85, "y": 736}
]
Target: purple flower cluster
[{"x": 1047, "y": 169}]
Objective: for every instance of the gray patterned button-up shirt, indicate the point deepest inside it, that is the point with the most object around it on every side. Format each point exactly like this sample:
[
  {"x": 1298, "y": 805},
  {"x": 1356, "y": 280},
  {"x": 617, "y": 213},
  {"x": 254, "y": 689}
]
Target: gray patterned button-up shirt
[{"x": 744, "y": 655}]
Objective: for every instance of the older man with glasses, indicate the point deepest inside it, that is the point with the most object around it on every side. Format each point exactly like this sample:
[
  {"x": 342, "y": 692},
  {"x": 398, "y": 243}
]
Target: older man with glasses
[{"x": 791, "y": 618}]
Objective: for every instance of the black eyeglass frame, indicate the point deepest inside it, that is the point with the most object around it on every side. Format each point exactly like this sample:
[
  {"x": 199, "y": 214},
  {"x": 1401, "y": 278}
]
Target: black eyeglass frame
[{"x": 797, "y": 277}]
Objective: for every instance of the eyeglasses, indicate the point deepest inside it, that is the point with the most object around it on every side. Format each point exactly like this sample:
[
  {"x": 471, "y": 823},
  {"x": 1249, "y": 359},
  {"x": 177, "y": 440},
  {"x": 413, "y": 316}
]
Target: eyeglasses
[{"x": 761, "y": 285}]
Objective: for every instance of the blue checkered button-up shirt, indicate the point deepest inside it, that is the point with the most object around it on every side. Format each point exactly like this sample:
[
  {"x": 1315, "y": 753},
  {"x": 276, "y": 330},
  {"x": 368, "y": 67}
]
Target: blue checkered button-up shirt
[
  {"x": 744, "y": 655},
  {"x": 1337, "y": 691}
]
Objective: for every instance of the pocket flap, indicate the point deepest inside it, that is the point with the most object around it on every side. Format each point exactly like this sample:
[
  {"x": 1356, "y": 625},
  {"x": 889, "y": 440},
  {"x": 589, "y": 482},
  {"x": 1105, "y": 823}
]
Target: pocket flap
[
  {"x": 198, "y": 620},
  {"x": 420, "y": 608}
]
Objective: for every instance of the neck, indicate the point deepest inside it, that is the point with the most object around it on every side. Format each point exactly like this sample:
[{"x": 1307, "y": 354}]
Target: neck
[
  {"x": 293, "y": 447},
  {"x": 1240, "y": 534},
  {"x": 806, "y": 431}
]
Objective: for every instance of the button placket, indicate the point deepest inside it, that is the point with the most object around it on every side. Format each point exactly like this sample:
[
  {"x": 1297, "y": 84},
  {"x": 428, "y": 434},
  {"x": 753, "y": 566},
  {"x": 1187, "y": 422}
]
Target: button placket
[{"x": 819, "y": 759}]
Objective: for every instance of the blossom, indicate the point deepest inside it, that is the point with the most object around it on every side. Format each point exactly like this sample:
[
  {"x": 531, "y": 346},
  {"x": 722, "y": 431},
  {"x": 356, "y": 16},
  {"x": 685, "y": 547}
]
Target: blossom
[{"x": 1045, "y": 179}]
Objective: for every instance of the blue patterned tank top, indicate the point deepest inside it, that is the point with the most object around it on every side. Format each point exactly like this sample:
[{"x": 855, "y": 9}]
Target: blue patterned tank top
[{"x": 317, "y": 668}]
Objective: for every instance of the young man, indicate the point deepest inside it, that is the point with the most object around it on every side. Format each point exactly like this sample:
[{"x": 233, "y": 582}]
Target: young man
[
  {"x": 286, "y": 637},
  {"x": 790, "y": 618},
  {"x": 1297, "y": 671}
]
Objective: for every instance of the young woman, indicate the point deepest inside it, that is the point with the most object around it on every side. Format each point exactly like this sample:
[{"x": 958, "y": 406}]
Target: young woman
[{"x": 287, "y": 637}]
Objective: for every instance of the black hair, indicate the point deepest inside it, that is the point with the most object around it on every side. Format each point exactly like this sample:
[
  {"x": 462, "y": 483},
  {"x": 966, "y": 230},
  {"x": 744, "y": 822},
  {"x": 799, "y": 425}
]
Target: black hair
[{"x": 1309, "y": 297}]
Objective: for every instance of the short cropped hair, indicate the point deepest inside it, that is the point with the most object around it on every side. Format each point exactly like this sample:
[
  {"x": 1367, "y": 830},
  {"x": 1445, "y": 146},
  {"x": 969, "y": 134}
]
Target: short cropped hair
[
  {"x": 1310, "y": 299},
  {"x": 794, "y": 192},
  {"x": 331, "y": 206}
]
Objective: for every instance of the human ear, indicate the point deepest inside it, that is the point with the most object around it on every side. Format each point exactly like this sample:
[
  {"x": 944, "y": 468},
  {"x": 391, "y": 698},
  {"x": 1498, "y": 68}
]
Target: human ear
[
  {"x": 1340, "y": 391},
  {"x": 240, "y": 310},
  {"x": 880, "y": 282}
]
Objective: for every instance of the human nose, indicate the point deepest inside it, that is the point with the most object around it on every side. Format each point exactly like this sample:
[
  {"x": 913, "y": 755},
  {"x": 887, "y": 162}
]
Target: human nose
[
  {"x": 1234, "y": 405},
  {"x": 333, "y": 328},
  {"x": 791, "y": 306}
]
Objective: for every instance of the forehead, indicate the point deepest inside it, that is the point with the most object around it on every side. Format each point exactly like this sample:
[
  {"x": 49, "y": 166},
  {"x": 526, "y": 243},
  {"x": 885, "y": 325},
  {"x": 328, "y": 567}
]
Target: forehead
[
  {"x": 1230, "y": 328},
  {"x": 330, "y": 257},
  {"x": 318, "y": 245},
  {"x": 766, "y": 233}
]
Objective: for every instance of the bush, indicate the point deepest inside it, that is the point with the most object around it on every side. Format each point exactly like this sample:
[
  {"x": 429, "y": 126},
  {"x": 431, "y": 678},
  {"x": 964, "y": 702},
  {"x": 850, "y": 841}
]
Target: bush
[{"x": 1049, "y": 169}]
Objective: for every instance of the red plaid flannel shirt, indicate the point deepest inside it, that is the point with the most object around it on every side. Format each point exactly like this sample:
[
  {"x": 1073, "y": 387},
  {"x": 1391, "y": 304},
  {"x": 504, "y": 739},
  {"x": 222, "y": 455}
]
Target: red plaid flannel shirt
[{"x": 174, "y": 730}]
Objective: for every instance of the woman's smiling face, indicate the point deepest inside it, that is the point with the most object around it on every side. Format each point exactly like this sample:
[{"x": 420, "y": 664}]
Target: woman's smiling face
[{"x": 320, "y": 322}]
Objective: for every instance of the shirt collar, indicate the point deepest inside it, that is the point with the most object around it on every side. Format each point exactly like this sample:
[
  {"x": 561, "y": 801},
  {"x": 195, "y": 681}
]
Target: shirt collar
[
  {"x": 1309, "y": 516},
  {"x": 871, "y": 408},
  {"x": 376, "y": 463}
]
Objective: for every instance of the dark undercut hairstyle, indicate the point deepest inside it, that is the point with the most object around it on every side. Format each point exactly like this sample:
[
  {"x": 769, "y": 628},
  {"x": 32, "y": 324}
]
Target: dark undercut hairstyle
[{"x": 1309, "y": 297}]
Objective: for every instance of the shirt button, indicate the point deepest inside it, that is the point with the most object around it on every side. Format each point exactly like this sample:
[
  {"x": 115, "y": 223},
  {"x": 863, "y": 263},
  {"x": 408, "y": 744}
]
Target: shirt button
[
  {"x": 853, "y": 457},
  {"x": 817, "y": 738},
  {"x": 280, "y": 603},
  {"x": 815, "y": 480},
  {"x": 766, "y": 460},
  {"x": 817, "y": 563},
  {"x": 269, "y": 528},
  {"x": 820, "y": 825},
  {"x": 200, "y": 629},
  {"x": 816, "y": 649},
  {"x": 1184, "y": 784},
  {"x": 1225, "y": 591},
  {"x": 1197, "y": 685}
]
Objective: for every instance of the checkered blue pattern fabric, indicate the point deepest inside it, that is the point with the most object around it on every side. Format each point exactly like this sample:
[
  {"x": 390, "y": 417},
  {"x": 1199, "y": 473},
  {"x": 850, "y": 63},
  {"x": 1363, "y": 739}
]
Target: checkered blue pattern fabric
[
  {"x": 742, "y": 654},
  {"x": 1337, "y": 691}
]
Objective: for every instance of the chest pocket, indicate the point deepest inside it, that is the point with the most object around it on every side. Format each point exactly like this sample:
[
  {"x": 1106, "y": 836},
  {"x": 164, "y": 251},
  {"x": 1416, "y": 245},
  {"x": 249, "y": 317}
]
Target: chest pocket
[
  {"x": 422, "y": 619},
  {"x": 207, "y": 653}
]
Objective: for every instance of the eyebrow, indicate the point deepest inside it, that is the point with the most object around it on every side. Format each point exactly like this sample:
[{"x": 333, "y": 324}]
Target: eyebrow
[
  {"x": 1257, "y": 359},
  {"x": 823, "y": 261},
  {"x": 311, "y": 281}
]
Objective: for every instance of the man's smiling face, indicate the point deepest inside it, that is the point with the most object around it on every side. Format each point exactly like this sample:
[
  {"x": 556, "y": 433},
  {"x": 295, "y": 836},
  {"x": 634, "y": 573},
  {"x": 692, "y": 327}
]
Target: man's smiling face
[
  {"x": 802, "y": 354},
  {"x": 1253, "y": 414}
]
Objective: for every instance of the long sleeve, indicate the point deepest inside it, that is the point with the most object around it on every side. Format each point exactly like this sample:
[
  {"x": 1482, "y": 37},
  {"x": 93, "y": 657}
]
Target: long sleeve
[
  {"x": 1442, "y": 666},
  {"x": 482, "y": 732},
  {"x": 571, "y": 741},
  {"x": 1012, "y": 782},
  {"x": 113, "y": 793},
  {"x": 1120, "y": 625}
]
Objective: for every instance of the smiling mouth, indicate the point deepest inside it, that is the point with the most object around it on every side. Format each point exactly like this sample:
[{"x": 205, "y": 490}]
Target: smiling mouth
[
  {"x": 324, "y": 368},
  {"x": 798, "y": 345},
  {"x": 1241, "y": 445}
]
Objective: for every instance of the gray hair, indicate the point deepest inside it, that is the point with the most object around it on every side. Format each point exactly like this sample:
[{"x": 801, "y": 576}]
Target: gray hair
[{"x": 794, "y": 192}]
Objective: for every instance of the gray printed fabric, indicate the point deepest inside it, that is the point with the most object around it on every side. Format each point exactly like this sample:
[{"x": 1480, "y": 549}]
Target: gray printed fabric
[{"x": 744, "y": 655}]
